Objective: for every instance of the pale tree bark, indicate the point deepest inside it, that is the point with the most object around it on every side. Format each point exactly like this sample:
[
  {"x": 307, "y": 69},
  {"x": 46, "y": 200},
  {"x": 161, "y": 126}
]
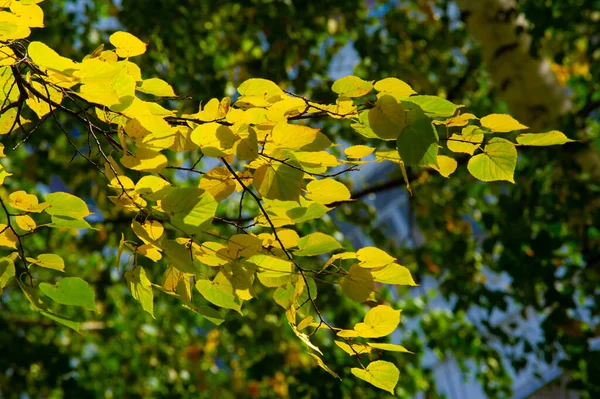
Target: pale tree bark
[{"x": 527, "y": 84}]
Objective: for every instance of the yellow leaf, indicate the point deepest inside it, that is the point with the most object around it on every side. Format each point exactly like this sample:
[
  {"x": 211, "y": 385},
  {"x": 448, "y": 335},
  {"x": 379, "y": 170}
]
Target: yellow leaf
[
  {"x": 127, "y": 45},
  {"x": 371, "y": 257},
  {"x": 244, "y": 245},
  {"x": 324, "y": 366},
  {"x": 326, "y": 191},
  {"x": 553, "y": 137},
  {"x": 7, "y": 237},
  {"x": 262, "y": 88},
  {"x": 388, "y": 347},
  {"x": 380, "y": 321},
  {"x": 358, "y": 284},
  {"x": 149, "y": 231},
  {"x": 3, "y": 174},
  {"x": 462, "y": 142},
  {"x": 7, "y": 56},
  {"x": 394, "y": 86},
  {"x": 501, "y": 123},
  {"x": 393, "y": 274},
  {"x": 145, "y": 160},
  {"x": 12, "y": 27},
  {"x": 41, "y": 107},
  {"x": 354, "y": 349},
  {"x": 26, "y": 202},
  {"x": 171, "y": 278},
  {"x": 218, "y": 182},
  {"x": 307, "y": 321},
  {"x": 351, "y": 86},
  {"x": 149, "y": 251},
  {"x": 156, "y": 87},
  {"x": 289, "y": 238},
  {"x": 25, "y": 222},
  {"x": 49, "y": 261},
  {"x": 379, "y": 373},
  {"x": 246, "y": 149},
  {"x": 293, "y": 136},
  {"x": 215, "y": 140},
  {"x": 31, "y": 15},
  {"x": 278, "y": 181},
  {"x": 358, "y": 151},
  {"x": 446, "y": 165}
]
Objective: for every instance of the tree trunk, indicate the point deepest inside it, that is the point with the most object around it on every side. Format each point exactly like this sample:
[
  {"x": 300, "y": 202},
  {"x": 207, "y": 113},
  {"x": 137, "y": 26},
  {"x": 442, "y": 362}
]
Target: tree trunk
[{"x": 527, "y": 84}]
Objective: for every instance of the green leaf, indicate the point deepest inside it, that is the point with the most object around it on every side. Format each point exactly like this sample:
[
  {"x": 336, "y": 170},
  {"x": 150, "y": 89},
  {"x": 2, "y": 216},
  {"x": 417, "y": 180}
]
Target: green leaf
[
  {"x": 208, "y": 313},
  {"x": 498, "y": 161},
  {"x": 278, "y": 181},
  {"x": 75, "y": 325},
  {"x": 66, "y": 205},
  {"x": 71, "y": 291},
  {"x": 180, "y": 257},
  {"x": 417, "y": 142},
  {"x": 7, "y": 272},
  {"x": 316, "y": 244},
  {"x": 219, "y": 292},
  {"x": 191, "y": 209},
  {"x": 141, "y": 289},
  {"x": 386, "y": 119},
  {"x": 273, "y": 271},
  {"x": 49, "y": 261},
  {"x": 393, "y": 274},
  {"x": 553, "y": 137},
  {"x": 434, "y": 106},
  {"x": 351, "y": 86},
  {"x": 379, "y": 373},
  {"x": 358, "y": 284}
]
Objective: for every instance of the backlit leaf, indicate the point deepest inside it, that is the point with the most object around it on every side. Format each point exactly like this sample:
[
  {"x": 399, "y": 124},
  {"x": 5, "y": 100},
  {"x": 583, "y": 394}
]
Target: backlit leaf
[
  {"x": 498, "y": 161},
  {"x": 326, "y": 191},
  {"x": 141, "y": 289},
  {"x": 358, "y": 151},
  {"x": 393, "y": 274},
  {"x": 394, "y": 86},
  {"x": 553, "y": 137},
  {"x": 373, "y": 257},
  {"x": 71, "y": 291},
  {"x": 358, "y": 284},
  {"x": 156, "y": 87},
  {"x": 379, "y": 373},
  {"x": 501, "y": 123},
  {"x": 380, "y": 321},
  {"x": 388, "y": 347},
  {"x": 127, "y": 45},
  {"x": 316, "y": 244},
  {"x": 386, "y": 119},
  {"x": 278, "y": 181},
  {"x": 352, "y": 86},
  {"x": 49, "y": 261},
  {"x": 219, "y": 292},
  {"x": 417, "y": 142}
]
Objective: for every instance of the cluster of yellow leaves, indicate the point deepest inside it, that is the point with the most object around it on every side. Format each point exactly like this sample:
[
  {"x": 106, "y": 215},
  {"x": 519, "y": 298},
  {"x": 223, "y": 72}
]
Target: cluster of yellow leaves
[{"x": 260, "y": 143}]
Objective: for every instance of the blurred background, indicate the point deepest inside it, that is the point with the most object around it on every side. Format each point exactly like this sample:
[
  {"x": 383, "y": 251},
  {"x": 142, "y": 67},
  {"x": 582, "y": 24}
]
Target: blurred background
[{"x": 509, "y": 275}]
